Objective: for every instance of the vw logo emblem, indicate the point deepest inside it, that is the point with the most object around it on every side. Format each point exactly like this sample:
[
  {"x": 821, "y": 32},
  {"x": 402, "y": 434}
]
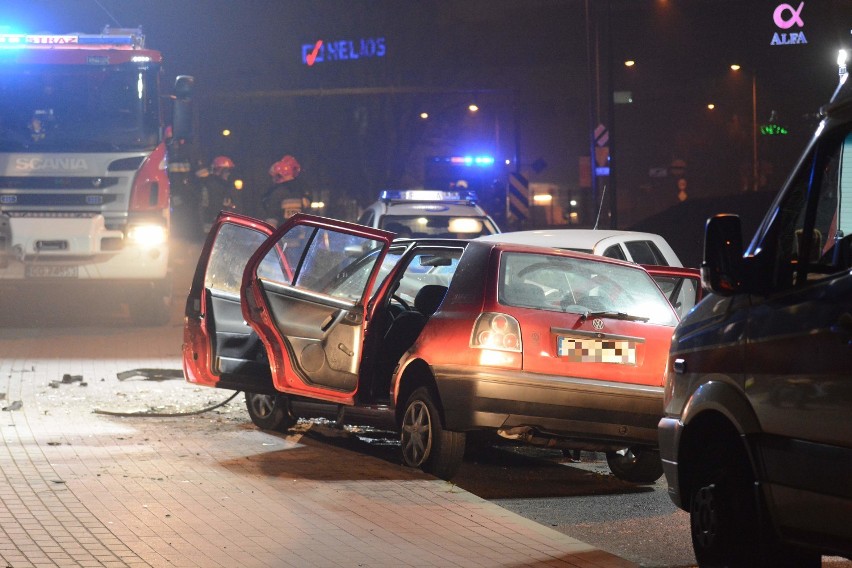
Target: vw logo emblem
[{"x": 597, "y": 323}]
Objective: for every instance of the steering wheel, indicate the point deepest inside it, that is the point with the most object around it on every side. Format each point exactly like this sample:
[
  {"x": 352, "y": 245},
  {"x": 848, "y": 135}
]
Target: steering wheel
[{"x": 401, "y": 301}]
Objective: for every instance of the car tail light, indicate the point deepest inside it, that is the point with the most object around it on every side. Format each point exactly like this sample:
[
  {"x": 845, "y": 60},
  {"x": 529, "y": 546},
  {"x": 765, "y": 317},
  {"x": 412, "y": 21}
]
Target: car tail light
[{"x": 499, "y": 338}]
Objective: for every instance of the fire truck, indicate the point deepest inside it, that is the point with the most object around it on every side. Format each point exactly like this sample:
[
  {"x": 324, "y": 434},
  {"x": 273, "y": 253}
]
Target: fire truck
[{"x": 84, "y": 190}]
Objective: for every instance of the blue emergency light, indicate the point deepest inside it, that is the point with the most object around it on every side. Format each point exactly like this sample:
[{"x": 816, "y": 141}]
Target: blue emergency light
[
  {"x": 482, "y": 161},
  {"x": 132, "y": 38}
]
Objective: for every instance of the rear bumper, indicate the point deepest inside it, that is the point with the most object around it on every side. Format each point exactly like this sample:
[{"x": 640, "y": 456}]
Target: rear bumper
[{"x": 582, "y": 410}]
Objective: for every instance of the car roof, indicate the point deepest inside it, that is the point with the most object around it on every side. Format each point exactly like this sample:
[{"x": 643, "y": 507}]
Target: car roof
[{"x": 533, "y": 249}]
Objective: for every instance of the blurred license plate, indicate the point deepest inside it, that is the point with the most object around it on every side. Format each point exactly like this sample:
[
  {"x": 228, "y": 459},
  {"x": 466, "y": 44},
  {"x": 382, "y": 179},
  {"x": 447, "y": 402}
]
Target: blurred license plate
[
  {"x": 50, "y": 271},
  {"x": 588, "y": 350}
]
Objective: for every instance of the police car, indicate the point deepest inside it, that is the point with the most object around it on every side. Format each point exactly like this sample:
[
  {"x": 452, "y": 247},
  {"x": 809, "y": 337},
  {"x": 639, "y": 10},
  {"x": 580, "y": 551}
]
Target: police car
[{"x": 418, "y": 213}]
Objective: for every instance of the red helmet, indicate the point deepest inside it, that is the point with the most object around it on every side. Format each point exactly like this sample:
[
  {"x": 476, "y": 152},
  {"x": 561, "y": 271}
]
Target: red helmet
[
  {"x": 285, "y": 169},
  {"x": 220, "y": 163}
]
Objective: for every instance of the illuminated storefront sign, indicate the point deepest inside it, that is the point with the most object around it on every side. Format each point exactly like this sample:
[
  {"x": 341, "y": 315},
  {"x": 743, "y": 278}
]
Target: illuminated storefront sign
[
  {"x": 342, "y": 50},
  {"x": 786, "y": 17}
]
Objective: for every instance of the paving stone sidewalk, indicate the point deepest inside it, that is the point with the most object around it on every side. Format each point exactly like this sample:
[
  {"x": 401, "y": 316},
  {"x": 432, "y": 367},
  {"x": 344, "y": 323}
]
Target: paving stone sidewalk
[{"x": 82, "y": 487}]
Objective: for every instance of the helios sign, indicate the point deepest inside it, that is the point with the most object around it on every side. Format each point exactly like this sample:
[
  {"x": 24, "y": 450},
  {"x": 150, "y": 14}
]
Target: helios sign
[
  {"x": 342, "y": 50},
  {"x": 789, "y": 20}
]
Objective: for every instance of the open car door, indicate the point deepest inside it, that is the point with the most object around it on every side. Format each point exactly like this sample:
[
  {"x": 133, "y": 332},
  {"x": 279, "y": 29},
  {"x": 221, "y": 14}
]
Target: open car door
[
  {"x": 312, "y": 321},
  {"x": 219, "y": 347},
  {"x": 682, "y": 286}
]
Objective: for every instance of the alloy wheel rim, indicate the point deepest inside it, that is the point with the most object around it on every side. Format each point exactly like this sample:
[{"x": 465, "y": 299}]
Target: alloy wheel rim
[{"x": 416, "y": 434}]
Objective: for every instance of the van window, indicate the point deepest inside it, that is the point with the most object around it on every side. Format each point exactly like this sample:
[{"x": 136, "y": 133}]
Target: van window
[{"x": 813, "y": 231}]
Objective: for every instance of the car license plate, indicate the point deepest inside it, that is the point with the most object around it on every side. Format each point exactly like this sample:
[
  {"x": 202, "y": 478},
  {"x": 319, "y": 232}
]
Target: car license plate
[
  {"x": 588, "y": 350},
  {"x": 50, "y": 271}
]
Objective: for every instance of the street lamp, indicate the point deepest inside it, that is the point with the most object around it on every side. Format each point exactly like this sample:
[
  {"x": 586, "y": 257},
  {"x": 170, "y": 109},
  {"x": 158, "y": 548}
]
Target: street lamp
[{"x": 755, "y": 164}]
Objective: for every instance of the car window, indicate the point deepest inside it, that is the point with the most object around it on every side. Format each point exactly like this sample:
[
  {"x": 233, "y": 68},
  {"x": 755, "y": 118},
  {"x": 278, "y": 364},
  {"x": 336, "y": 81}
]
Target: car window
[
  {"x": 564, "y": 284},
  {"x": 231, "y": 250},
  {"x": 615, "y": 252},
  {"x": 814, "y": 240},
  {"x": 645, "y": 252},
  {"x": 427, "y": 266},
  {"x": 332, "y": 264},
  {"x": 682, "y": 292}
]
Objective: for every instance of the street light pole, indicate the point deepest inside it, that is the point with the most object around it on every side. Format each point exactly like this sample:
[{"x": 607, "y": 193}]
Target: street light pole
[{"x": 755, "y": 164}]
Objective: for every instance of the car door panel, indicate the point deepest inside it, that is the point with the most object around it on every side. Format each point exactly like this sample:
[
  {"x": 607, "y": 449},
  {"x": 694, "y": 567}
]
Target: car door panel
[
  {"x": 322, "y": 335},
  {"x": 220, "y": 349},
  {"x": 313, "y": 324}
]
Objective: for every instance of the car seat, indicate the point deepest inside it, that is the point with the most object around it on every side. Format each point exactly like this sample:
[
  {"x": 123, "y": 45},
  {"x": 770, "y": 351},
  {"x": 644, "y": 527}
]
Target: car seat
[{"x": 406, "y": 327}]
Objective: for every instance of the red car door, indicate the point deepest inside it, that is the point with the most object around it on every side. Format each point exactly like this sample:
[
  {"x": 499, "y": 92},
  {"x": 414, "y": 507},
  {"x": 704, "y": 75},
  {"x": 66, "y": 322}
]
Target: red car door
[
  {"x": 219, "y": 347},
  {"x": 682, "y": 286},
  {"x": 313, "y": 322}
]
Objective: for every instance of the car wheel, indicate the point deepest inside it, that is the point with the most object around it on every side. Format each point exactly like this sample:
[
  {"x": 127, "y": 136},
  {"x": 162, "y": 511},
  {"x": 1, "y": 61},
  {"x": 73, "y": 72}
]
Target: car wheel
[
  {"x": 269, "y": 411},
  {"x": 425, "y": 443},
  {"x": 636, "y": 464},
  {"x": 728, "y": 520}
]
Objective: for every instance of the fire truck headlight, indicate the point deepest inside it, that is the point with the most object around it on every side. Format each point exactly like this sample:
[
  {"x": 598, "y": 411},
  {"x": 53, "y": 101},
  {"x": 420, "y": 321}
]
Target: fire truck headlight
[{"x": 147, "y": 235}]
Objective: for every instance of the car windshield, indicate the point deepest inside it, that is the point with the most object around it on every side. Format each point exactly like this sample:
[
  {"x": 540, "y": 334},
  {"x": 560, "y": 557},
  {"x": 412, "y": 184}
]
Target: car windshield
[
  {"x": 79, "y": 108},
  {"x": 441, "y": 226},
  {"x": 583, "y": 286}
]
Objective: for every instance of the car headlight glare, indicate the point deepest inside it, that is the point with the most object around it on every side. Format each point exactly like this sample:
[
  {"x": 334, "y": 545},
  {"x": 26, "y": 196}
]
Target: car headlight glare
[{"x": 147, "y": 235}]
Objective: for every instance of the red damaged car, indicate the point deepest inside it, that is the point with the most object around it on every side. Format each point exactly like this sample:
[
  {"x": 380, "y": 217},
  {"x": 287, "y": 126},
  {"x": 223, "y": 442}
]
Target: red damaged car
[{"x": 434, "y": 338}]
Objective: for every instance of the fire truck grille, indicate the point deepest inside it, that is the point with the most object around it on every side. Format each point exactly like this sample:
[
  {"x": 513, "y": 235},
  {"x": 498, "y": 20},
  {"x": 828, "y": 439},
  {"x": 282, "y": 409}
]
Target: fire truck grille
[{"x": 58, "y": 183}]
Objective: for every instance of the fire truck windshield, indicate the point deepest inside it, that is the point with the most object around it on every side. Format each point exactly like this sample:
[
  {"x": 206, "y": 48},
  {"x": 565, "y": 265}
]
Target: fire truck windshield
[{"x": 79, "y": 108}]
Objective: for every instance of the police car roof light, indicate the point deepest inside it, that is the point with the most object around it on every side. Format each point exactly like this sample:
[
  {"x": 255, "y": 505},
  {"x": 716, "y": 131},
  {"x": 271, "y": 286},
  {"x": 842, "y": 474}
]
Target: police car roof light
[{"x": 464, "y": 196}]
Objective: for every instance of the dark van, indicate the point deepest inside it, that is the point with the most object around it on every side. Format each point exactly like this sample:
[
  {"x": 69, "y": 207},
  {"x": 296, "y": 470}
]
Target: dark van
[{"x": 756, "y": 441}]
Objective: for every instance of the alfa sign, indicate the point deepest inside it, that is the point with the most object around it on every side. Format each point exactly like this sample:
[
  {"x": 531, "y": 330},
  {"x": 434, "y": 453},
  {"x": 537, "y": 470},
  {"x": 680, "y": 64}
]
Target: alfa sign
[{"x": 788, "y": 19}]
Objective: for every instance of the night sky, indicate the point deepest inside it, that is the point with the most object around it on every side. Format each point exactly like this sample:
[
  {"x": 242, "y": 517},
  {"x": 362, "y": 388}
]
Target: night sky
[{"x": 353, "y": 125}]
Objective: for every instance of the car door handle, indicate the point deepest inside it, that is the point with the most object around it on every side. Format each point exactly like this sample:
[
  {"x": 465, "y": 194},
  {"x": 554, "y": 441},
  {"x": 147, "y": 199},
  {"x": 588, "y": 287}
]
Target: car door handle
[{"x": 326, "y": 323}]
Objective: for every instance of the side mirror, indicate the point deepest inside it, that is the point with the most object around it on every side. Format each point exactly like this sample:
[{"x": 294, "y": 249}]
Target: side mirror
[
  {"x": 182, "y": 107},
  {"x": 722, "y": 270}
]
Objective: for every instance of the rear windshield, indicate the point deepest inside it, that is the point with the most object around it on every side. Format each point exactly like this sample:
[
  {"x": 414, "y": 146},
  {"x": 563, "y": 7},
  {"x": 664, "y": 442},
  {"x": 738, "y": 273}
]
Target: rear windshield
[{"x": 563, "y": 284}]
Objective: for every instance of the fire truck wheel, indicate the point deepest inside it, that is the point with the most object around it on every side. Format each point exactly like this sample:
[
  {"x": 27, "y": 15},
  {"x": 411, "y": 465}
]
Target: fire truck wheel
[{"x": 152, "y": 304}]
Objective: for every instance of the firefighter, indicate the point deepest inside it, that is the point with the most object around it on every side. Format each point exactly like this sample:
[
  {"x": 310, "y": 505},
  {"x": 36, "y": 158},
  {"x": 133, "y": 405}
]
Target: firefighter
[
  {"x": 216, "y": 190},
  {"x": 284, "y": 199}
]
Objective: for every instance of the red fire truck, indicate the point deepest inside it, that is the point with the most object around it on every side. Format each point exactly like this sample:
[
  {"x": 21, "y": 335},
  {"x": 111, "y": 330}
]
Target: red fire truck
[{"x": 84, "y": 190}]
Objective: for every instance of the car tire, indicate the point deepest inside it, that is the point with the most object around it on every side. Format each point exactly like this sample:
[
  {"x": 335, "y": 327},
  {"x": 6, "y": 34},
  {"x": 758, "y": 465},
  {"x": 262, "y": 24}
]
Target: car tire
[
  {"x": 728, "y": 519},
  {"x": 269, "y": 411},
  {"x": 425, "y": 443},
  {"x": 636, "y": 464}
]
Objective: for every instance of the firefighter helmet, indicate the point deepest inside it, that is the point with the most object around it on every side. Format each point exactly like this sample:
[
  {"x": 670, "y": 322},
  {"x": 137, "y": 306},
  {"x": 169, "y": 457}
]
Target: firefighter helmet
[
  {"x": 220, "y": 163},
  {"x": 285, "y": 169}
]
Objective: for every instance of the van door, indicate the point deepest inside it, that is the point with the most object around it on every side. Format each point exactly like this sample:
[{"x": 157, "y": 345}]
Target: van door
[{"x": 799, "y": 343}]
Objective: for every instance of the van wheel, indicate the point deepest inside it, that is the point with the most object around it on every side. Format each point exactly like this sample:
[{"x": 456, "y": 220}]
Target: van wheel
[
  {"x": 636, "y": 464},
  {"x": 425, "y": 443},
  {"x": 269, "y": 411},
  {"x": 727, "y": 527}
]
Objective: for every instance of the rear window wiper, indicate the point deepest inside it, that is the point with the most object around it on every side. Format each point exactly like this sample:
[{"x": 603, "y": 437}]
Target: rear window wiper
[{"x": 609, "y": 314}]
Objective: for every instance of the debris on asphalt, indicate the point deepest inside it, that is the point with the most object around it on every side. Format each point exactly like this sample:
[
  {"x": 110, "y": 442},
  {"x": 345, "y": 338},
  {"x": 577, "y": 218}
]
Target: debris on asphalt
[
  {"x": 17, "y": 405},
  {"x": 151, "y": 374}
]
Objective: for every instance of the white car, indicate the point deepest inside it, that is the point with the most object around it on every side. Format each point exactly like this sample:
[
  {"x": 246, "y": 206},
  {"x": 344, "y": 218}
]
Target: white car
[
  {"x": 633, "y": 246},
  {"x": 418, "y": 213}
]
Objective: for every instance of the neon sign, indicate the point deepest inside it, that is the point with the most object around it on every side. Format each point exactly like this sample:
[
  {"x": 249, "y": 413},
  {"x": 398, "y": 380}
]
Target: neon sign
[
  {"x": 343, "y": 50},
  {"x": 785, "y": 17}
]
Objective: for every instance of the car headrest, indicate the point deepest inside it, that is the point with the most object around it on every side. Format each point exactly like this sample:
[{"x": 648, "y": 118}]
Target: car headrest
[{"x": 429, "y": 298}]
